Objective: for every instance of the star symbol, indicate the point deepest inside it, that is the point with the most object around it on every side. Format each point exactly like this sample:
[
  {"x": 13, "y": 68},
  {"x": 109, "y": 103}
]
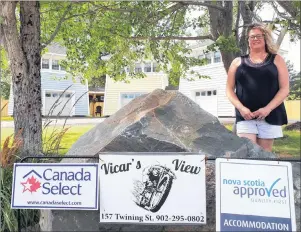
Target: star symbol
[
  {"x": 31, "y": 185},
  {"x": 26, "y": 185}
]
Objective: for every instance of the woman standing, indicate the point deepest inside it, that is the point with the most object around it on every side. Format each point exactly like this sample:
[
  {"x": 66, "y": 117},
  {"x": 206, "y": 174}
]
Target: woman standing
[{"x": 261, "y": 81}]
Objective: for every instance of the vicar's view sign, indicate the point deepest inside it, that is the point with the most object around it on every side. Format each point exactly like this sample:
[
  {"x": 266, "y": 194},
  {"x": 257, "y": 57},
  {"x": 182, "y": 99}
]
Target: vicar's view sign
[
  {"x": 254, "y": 196},
  {"x": 154, "y": 188}
]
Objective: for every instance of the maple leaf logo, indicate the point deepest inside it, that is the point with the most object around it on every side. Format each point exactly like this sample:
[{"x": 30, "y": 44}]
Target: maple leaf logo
[{"x": 31, "y": 185}]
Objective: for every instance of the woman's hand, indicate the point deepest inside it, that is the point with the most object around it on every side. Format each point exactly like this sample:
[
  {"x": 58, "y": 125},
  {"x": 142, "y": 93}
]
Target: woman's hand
[
  {"x": 246, "y": 113},
  {"x": 261, "y": 113}
]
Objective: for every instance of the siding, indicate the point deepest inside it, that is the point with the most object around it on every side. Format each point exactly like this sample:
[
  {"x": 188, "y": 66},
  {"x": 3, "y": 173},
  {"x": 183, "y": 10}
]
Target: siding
[
  {"x": 57, "y": 81},
  {"x": 218, "y": 81},
  {"x": 293, "y": 109},
  {"x": 4, "y": 108},
  {"x": 113, "y": 89},
  {"x": 11, "y": 101}
]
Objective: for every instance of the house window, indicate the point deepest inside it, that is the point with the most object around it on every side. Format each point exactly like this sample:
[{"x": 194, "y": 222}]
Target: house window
[
  {"x": 206, "y": 93},
  {"x": 45, "y": 63},
  {"x": 67, "y": 95},
  {"x": 47, "y": 94},
  {"x": 208, "y": 58},
  {"x": 55, "y": 65},
  {"x": 138, "y": 68},
  {"x": 125, "y": 98},
  {"x": 148, "y": 67},
  {"x": 217, "y": 57},
  {"x": 62, "y": 68},
  {"x": 102, "y": 98},
  {"x": 130, "y": 96},
  {"x": 155, "y": 67}
]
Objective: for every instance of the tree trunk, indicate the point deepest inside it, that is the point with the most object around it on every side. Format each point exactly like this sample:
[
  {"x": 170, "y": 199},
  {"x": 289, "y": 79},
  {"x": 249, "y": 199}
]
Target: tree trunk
[
  {"x": 221, "y": 24},
  {"x": 246, "y": 9},
  {"x": 289, "y": 7},
  {"x": 281, "y": 36},
  {"x": 24, "y": 53}
]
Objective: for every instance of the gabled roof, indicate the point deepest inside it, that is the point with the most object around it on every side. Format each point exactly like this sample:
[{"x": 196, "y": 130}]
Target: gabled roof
[{"x": 56, "y": 48}]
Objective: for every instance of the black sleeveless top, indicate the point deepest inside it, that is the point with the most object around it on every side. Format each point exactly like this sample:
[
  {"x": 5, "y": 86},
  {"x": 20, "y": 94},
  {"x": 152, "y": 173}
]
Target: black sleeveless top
[{"x": 256, "y": 86}]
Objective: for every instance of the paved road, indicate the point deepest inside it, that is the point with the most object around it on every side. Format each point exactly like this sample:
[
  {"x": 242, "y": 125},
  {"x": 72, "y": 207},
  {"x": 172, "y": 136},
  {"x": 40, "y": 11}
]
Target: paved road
[{"x": 93, "y": 121}]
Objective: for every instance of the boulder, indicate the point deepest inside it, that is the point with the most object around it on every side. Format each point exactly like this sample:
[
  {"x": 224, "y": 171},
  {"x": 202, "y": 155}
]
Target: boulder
[
  {"x": 294, "y": 126},
  {"x": 161, "y": 121}
]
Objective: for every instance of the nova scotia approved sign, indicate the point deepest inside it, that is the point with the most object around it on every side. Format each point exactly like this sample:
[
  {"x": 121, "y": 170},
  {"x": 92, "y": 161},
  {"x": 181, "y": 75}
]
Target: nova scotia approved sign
[
  {"x": 55, "y": 186},
  {"x": 253, "y": 195},
  {"x": 153, "y": 188}
]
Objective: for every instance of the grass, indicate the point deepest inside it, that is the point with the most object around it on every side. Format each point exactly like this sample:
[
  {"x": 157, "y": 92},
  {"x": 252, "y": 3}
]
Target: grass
[
  {"x": 70, "y": 137},
  {"x": 288, "y": 145}
]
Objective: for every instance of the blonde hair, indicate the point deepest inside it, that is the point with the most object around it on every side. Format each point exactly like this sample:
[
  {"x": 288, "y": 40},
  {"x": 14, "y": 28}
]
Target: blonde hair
[{"x": 270, "y": 46}]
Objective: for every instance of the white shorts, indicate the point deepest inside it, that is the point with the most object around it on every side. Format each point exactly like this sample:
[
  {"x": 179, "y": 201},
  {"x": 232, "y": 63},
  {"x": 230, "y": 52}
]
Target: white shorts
[{"x": 263, "y": 129}]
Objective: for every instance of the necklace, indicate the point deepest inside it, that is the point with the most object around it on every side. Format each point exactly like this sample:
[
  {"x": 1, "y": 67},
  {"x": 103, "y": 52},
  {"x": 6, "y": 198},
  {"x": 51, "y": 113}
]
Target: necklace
[{"x": 258, "y": 62}]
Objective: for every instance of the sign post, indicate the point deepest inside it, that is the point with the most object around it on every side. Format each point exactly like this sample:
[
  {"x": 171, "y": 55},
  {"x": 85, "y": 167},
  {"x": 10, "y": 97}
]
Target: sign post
[
  {"x": 55, "y": 186},
  {"x": 254, "y": 196},
  {"x": 152, "y": 188}
]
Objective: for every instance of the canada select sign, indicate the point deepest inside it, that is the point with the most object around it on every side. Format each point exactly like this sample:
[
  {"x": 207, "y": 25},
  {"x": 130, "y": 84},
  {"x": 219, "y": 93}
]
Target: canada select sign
[{"x": 55, "y": 186}]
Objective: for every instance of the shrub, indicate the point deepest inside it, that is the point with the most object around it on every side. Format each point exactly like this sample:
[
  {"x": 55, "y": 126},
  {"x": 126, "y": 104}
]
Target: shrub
[{"x": 9, "y": 217}]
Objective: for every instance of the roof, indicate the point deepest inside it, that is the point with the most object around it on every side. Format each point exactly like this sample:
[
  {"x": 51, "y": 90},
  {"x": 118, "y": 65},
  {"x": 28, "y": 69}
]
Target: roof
[
  {"x": 96, "y": 89},
  {"x": 56, "y": 48}
]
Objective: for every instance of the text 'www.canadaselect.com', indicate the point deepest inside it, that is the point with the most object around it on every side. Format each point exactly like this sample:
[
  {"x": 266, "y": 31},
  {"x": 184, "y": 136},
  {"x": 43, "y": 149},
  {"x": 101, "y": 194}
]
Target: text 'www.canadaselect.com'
[{"x": 53, "y": 203}]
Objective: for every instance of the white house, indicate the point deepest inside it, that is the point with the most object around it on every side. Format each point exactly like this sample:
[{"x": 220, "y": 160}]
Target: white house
[
  {"x": 61, "y": 94},
  {"x": 210, "y": 94}
]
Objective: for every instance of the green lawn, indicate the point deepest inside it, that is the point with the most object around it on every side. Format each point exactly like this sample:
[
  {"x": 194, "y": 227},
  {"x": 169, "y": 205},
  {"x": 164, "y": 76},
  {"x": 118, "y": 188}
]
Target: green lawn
[
  {"x": 72, "y": 134},
  {"x": 288, "y": 145}
]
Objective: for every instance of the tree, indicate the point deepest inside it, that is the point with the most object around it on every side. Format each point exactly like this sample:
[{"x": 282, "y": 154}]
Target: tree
[
  {"x": 97, "y": 81},
  {"x": 295, "y": 82},
  {"x": 24, "y": 53},
  {"x": 158, "y": 30},
  {"x": 295, "y": 87},
  {"x": 124, "y": 31},
  {"x": 4, "y": 74}
]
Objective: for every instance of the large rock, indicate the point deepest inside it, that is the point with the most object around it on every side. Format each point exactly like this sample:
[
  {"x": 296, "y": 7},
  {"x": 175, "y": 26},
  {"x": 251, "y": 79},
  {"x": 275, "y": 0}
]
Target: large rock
[{"x": 162, "y": 121}]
